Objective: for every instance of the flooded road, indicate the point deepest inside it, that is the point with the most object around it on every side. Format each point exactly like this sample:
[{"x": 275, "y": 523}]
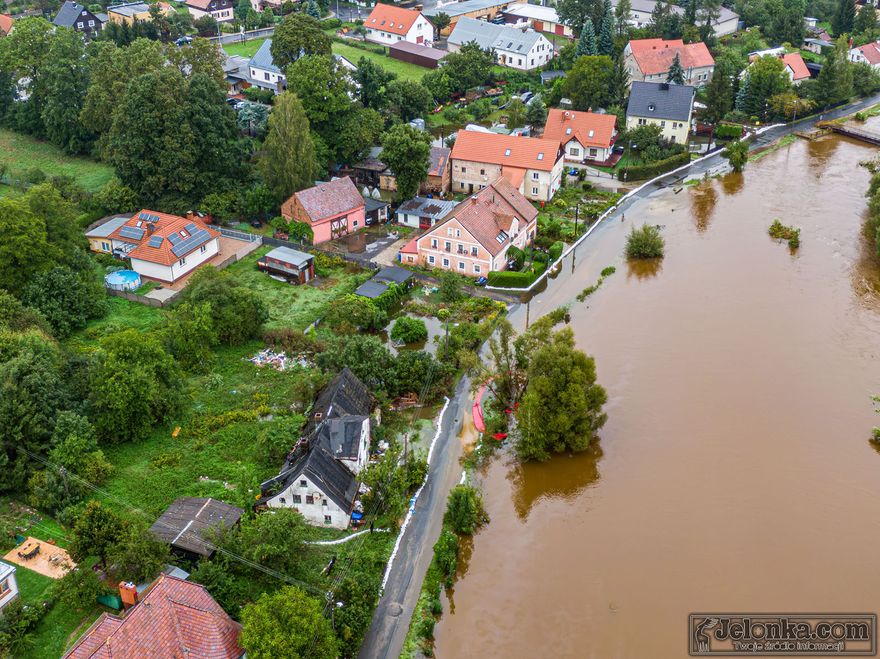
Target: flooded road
[{"x": 735, "y": 471}]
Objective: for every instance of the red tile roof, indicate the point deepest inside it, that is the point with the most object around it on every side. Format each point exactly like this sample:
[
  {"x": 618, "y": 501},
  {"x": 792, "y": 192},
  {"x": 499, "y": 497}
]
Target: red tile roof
[
  {"x": 327, "y": 200},
  {"x": 388, "y": 18},
  {"x": 5, "y": 23},
  {"x": 797, "y": 64},
  {"x": 175, "y": 619},
  {"x": 871, "y": 51},
  {"x": 590, "y": 129},
  {"x": 506, "y": 150},
  {"x": 489, "y": 212},
  {"x": 655, "y": 56},
  {"x": 199, "y": 4},
  {"x": 165, "y": 225}
]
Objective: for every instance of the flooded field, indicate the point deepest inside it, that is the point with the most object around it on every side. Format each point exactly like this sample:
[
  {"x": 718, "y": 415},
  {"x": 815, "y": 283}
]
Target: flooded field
[{"x": 735, "y": 471}]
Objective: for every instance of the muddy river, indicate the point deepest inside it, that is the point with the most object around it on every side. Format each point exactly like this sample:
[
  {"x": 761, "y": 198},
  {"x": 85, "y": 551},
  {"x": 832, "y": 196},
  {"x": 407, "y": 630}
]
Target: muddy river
[{"x": 735, "y": 472}]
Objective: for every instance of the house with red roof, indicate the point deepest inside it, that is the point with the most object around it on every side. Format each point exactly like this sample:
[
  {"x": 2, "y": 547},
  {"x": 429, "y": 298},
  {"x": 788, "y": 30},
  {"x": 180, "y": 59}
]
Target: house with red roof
[
  {"x": 331, "y": 209},
  {"x": 794, "y": 65},
  {"x": 161, "y": 246},
  {"x": 649, "y": 60},
  {"x": 173, "y": 618},
  {"x": 583, "y": 136},
  {"x": 532, "y": 165},
  {"x": 389, "y": 24},
  {"x": 867, "y": 54},
  {"x": 219, "y": 10},
  {"x": 6, "y": 23},
  {"x": 474, "y": 238}
]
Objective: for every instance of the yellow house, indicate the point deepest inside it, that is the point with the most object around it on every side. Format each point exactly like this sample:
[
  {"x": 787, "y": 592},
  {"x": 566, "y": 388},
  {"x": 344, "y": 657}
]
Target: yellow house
[
  {"x": 661, "y": 104},
  {"x": 134, "y": 11},
  {"x": 99, "y": 236}
]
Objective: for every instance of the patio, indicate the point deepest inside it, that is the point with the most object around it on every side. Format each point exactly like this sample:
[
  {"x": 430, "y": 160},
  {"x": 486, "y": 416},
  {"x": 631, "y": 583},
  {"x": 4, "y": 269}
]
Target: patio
[{"x": 41, "y": 557}]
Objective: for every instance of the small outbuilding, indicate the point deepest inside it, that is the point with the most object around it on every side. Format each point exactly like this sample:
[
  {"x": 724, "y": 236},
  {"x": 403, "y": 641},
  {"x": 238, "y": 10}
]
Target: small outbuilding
[
  {"x": 294, "y": 266},
  {"x": 189, "y": 523},
  {"x": 417, "y": 54},
  {"x": 375, "y": 211},
  {"x": 371, "y": 289},
  {"x": 394, "y": 275}
]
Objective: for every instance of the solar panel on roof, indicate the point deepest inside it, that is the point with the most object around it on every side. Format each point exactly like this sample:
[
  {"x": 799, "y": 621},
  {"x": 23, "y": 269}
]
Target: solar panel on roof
[
  {"x": 174, "y": 239},
  {"x": 191, "y": 228},
  {"x": 144, "y": 216},
  {"x": 132, "y": 232},
  {"x": 200, "y": 237},
  {"x": 155, "y": 241}
]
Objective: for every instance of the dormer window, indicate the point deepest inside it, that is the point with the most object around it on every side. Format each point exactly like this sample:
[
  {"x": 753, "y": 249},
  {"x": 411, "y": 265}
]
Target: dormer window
[{"x": 651, "y": 107}]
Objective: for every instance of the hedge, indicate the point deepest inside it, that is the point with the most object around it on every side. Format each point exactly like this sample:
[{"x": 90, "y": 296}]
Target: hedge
[
  {"x": 642, "y": 172},
  {"x": 725, "y": 131},
  {"x": 555, "y": 250},
  {"x": 511, "y": 279}
]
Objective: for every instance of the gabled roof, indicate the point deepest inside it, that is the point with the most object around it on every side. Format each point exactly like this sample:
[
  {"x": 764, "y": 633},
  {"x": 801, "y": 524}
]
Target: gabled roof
[
  {"x": 589, "y": 128},
  {"x": 174, "y": 619},
  {"x": 439, "y": 160},
  {"x": 331, "y": 477},
  {"x": 6, "y": 23},
  {"x": 345, "y": 395},
  {"x": 292, "y": 256},
  {"x": 655, "y": 56},
  {"x": 453, "y": 9},
  {"x": 660, "y": 100},
  {"x": 492, "y": 36},
  {"x": 424, "y": 207},
  {"x": 68, "y": 14},
  {"x": 262, "y": 59},
  {"x": 871, "y": 52},
  {"x": 488, "y": 215},
  {"x": 341, "y": 437},
  {"x": 389, "y": 18},
  {"x": 130, "y": 9},
  {"x": 189, "y": 522},
  {"x": 535, "y": 12},
  {"x": 506, "y": 150},
  {"x": 797, "y": 65},
  {"x": 199, "y": 4},
  {"x": 162, "y": 238},
  {"x": 327, "y": 200}
]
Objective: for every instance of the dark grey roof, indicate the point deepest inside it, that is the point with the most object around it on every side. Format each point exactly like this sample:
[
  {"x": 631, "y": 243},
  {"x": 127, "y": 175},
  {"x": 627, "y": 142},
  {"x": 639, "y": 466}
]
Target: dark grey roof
[
  {"x": 189, "y": 522},
  {"x": 67, "y": 15},
  {"x": 341, "y": 437},
  {"x": 547, "y": 76},
  {"x": 371, "y": 204},
  {"x": 393, "y": 274},
  {"x": 491, "y": 35},
  {"x": 331, "y": 477},
  {"x": 345, "y": 395},
  {"x": 660, "y": 100},
  {"x": 371, "y": 289},
  {"x": 262, "y": 59},
  {"x": 292, "y": 256}
]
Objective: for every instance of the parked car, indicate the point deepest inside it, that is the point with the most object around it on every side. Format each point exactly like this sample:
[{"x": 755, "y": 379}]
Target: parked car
[
  {"x": 525, "y": 98},
  {"x": 183, "y": 41},
  {"x": 256, "y": 224},
  {"x": 481, "y": 281}
]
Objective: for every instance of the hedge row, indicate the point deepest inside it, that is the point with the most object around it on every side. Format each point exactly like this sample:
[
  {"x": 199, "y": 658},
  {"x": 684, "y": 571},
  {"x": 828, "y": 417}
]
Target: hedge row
[
  {"x": 514, "y": 279},
  {"x": 729, "y": 130},
  {"x": 642, "y": 172},
  {"x": 555, "y": 250}
]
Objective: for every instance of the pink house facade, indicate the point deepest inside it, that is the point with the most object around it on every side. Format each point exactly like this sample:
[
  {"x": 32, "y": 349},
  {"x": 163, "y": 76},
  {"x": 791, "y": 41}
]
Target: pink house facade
[
  {"x": 475, "y": 237},
  {"x": 332, "y": 209}
]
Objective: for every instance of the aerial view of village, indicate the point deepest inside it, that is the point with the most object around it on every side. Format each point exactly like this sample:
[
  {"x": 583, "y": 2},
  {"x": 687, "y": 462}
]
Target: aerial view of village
[{"x": 419, "y": 328}]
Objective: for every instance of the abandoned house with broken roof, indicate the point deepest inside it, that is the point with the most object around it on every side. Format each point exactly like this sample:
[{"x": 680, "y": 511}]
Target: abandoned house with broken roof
[
  {"x": 319, "y": 477},
  {"x": 190, "y": 525}
]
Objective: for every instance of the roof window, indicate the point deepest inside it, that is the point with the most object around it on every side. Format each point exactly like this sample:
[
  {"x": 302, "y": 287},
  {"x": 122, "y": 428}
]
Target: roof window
[
  {"x": 592, "y": 132},
  {"x": 506, "y": 152},
  {"x": 541, "y": 156},
  {"x": 568, "y": 131},
  {"x": 651, "y": 107}
]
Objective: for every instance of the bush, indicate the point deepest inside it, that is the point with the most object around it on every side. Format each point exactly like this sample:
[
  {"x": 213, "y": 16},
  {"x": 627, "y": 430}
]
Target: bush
[
  {"x": 258, "y": 95},
  {"x": 555, "y": 250},
  {"x": 409, "y": 330},
  {"x": 446, "y": 554},
  {"x": 645, "y": 243},
  {"x": 729, "y": 131},
  {"x": 464, "y": 510},
  {"x": 607, "y": 272},
  {"x": 511, "y": 279},
  {"x": 642, "y": 172},
  {"x": 330, "y": 23},
  {"x": 781, "y": 232},
  {"x": 516, "y": 255}
]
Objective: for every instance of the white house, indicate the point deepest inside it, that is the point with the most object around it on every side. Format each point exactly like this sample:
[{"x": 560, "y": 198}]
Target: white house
[
  {"x": 541, "y": 19},
  {"x": 517, "y": 48},
  {"x": 388, "y": 24},
  {"x": 219, "y": 10},
  {"x": 584, "y": 136},
  {"x": 422, "y": 212},
  {"x": 162, "y": 246},
  {"x": 263, "y": 71},
  {"x": 867, "y": 54},
  {"x": 8, "y": 585}
]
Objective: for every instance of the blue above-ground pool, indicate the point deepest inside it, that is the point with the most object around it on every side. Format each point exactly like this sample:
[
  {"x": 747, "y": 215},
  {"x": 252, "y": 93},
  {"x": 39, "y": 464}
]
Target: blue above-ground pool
[{"x": 123, "y": 280}]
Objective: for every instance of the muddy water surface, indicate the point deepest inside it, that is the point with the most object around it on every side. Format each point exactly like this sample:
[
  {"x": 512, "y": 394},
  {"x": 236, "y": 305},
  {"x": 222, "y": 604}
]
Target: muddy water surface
[{"x": 735, "y": 472}]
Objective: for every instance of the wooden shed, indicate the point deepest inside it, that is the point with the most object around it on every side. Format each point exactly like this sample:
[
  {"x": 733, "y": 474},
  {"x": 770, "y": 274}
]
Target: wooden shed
[
  {"x": 188, "y": 525},
  {"x": 417, "y": 54}
]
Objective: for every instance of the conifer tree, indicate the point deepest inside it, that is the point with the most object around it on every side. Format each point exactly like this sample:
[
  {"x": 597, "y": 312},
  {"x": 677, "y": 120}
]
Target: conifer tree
[
  {"x": 587, "y": 42},
  {"x": 676, "y": 72}
]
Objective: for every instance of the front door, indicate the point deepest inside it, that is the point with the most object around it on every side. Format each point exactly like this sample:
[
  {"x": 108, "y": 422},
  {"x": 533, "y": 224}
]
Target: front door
[{"x": 420, "y": 39}]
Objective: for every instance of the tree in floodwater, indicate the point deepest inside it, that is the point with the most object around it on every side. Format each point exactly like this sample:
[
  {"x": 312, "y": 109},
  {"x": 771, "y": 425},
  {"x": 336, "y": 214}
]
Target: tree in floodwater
[
  {"x": 562, "y": 406},
  {"x": 737, "y": 154}
]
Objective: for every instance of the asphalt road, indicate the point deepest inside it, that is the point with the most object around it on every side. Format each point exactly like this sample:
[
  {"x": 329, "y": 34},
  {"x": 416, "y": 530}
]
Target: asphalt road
[
  {"x": 391, "y": 619},
  {"x": 390, "y": 624}
]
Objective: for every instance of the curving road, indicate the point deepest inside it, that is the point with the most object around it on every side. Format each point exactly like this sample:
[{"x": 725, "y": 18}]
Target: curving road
[{"x": 390, "y": 624}]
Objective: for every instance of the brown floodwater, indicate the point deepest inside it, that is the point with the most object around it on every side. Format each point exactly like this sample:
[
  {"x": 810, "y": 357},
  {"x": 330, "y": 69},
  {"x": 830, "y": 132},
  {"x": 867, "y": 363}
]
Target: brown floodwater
[{"x": 735, "y": 472}]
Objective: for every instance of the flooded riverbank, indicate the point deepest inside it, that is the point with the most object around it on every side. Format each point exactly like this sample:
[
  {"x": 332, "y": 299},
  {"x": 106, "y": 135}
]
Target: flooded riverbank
[{"x": 735, "y": 472}]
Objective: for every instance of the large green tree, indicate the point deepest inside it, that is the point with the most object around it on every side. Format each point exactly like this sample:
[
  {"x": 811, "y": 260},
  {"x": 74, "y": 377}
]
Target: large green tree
[
  {"x": 562, "y": 407},
  {"x": 288, "y": 162},
  {"x": 407, "y": 150},
  {"x": 835, "y": 81},
  {"x": 409, "y": 99},
  {"x": 66, "y": 80},
  {"x": 765, "y": 78},
  {"x": 96, "y": 531},
  {"x": 588, "y": 84},
  {"x": 844, "y": 18},
  {"x": 68, "y": 299},
  {"x": 238, "y": 313},
  {"x": 587, "y": 44},
  {"x": 372, "y": 80},
  {"x": 675, "y": 75},
  {"x": 298, "y": 35},
  {"x": 287, "y": 623}
]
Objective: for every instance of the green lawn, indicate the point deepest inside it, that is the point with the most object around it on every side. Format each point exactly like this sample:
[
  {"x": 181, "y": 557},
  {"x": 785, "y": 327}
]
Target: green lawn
[
  {"x": 289, "y": 305},
  {"x": 404, "y": 70},
  {"x": 244, "y": 48},
  {"x": 21, "y": 152}
]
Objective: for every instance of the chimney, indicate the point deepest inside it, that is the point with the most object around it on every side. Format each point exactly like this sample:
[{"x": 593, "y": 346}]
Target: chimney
[
  {"x": 474, "y": 199},
  {"x": 190, "y": 215},
  {"x": 318, "y": 416},
  {"x": 151, "y": 227},
  {"x": 664, "y": 86},
  {"x": 128, "y": 593}
]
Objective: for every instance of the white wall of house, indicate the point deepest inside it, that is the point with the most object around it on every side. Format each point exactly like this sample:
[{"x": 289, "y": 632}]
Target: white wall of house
[
  {"x": 306, "y": 497},
  {"x": 577, "y": 152},
  {"x": 8, "y": 587},
  {"x": 419, "y": 32},
  {"x": 221, "y": 15},
  {"x": 674, "y": 131},
  {"x": 355, "y": 466},
  {"x": 695, "y": 76},
  {"x": 179, "y": 268},
  {"x": 540, "y": 54},
  {"x": 267, "y": 79}
]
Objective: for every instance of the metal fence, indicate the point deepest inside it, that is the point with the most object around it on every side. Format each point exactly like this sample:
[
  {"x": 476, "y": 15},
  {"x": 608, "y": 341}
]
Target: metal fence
[{"x": 242, "y": 235}]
